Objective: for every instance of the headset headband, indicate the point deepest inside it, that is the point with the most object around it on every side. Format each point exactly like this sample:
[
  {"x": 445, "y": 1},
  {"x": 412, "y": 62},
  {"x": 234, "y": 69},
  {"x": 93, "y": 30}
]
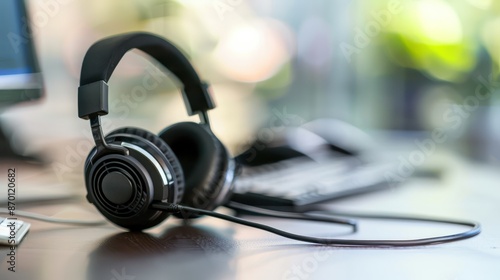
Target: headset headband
[
  {"x": 103, "y": 57},
  {"x": 101, "y": 60}
]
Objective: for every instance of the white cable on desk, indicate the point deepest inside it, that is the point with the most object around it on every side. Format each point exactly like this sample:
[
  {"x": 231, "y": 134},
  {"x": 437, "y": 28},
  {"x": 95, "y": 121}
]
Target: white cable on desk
[{"x": 48, "y": 219}]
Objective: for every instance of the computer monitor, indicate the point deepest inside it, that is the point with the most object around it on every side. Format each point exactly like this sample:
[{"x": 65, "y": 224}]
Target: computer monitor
[{"x": 20, "y": 77}]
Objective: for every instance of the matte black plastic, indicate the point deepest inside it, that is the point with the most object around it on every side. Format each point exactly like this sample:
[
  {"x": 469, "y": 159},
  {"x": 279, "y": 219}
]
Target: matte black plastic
[
  {"x": 174, "y": 190},
  {"x": 103, "y": 57},
  {"x": 93, "y": 99},
  {"x": 140, "y": 215},
  {"x": 117, "y": 188}
]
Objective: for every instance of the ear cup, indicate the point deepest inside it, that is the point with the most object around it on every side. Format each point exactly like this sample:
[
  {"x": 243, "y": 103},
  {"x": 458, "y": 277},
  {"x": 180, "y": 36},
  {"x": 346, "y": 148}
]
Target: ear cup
[
  {"x": 122, "y": 187},
  {"x": 204, "y": 161},
  {"x": 164, "y": 148}
]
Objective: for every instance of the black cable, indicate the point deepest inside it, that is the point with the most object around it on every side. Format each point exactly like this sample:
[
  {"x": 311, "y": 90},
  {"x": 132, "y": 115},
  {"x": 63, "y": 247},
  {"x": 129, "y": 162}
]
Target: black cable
[
  {"x": 324, "y": 210},
  {"x": 294, "y": 215},
  {"x": 476, "y": 229},
  {"x": 270, "y": 213}
]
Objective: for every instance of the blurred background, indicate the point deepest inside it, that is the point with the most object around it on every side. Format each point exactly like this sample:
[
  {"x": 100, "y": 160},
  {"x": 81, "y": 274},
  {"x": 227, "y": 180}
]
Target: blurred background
[{"x": 397, "y": 69}]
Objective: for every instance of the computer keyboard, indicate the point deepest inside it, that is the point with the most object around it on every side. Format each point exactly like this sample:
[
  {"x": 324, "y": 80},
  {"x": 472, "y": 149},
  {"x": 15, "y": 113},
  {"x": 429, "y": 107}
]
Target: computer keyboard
[
  {"x": 12, "y": 231},
  {"x": 299, "y": 182}
]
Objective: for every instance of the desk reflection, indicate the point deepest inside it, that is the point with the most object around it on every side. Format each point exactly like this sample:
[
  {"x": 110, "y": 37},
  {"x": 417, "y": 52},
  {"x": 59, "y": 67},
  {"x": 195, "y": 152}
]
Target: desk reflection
[{"x": 183, "y": 252}]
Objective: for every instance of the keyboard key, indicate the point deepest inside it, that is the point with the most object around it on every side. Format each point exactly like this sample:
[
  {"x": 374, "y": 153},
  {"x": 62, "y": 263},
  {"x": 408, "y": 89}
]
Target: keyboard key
[{"x": 302, "y": 181}]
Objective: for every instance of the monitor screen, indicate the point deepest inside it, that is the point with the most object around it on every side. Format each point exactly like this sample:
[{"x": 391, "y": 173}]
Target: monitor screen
[{"x": 20, "y": 78}]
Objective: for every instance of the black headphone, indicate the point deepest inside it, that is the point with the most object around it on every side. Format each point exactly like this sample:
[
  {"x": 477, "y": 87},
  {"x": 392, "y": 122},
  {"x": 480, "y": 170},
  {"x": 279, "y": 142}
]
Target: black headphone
[
  {"x": 136, "y": 179},
  {"x": 131, "y": 167}
]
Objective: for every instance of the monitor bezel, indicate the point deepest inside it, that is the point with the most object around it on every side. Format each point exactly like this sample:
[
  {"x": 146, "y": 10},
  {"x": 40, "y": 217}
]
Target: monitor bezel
[{"x": 23, "y": 87}]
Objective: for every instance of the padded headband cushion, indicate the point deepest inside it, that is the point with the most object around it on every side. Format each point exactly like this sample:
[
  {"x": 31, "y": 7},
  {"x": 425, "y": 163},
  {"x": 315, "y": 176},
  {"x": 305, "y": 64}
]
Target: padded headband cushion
[
  {"x": 102, "y": 58},
  {"x": 203, "y": 159},
  {"x": 170, "y": 156}
]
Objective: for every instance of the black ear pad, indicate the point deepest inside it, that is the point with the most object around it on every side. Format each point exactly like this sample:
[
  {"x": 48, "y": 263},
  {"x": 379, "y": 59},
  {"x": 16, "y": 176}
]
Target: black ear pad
[
  {"x": 204, "y": 161},
  {"x": 164, "y": 148}
]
